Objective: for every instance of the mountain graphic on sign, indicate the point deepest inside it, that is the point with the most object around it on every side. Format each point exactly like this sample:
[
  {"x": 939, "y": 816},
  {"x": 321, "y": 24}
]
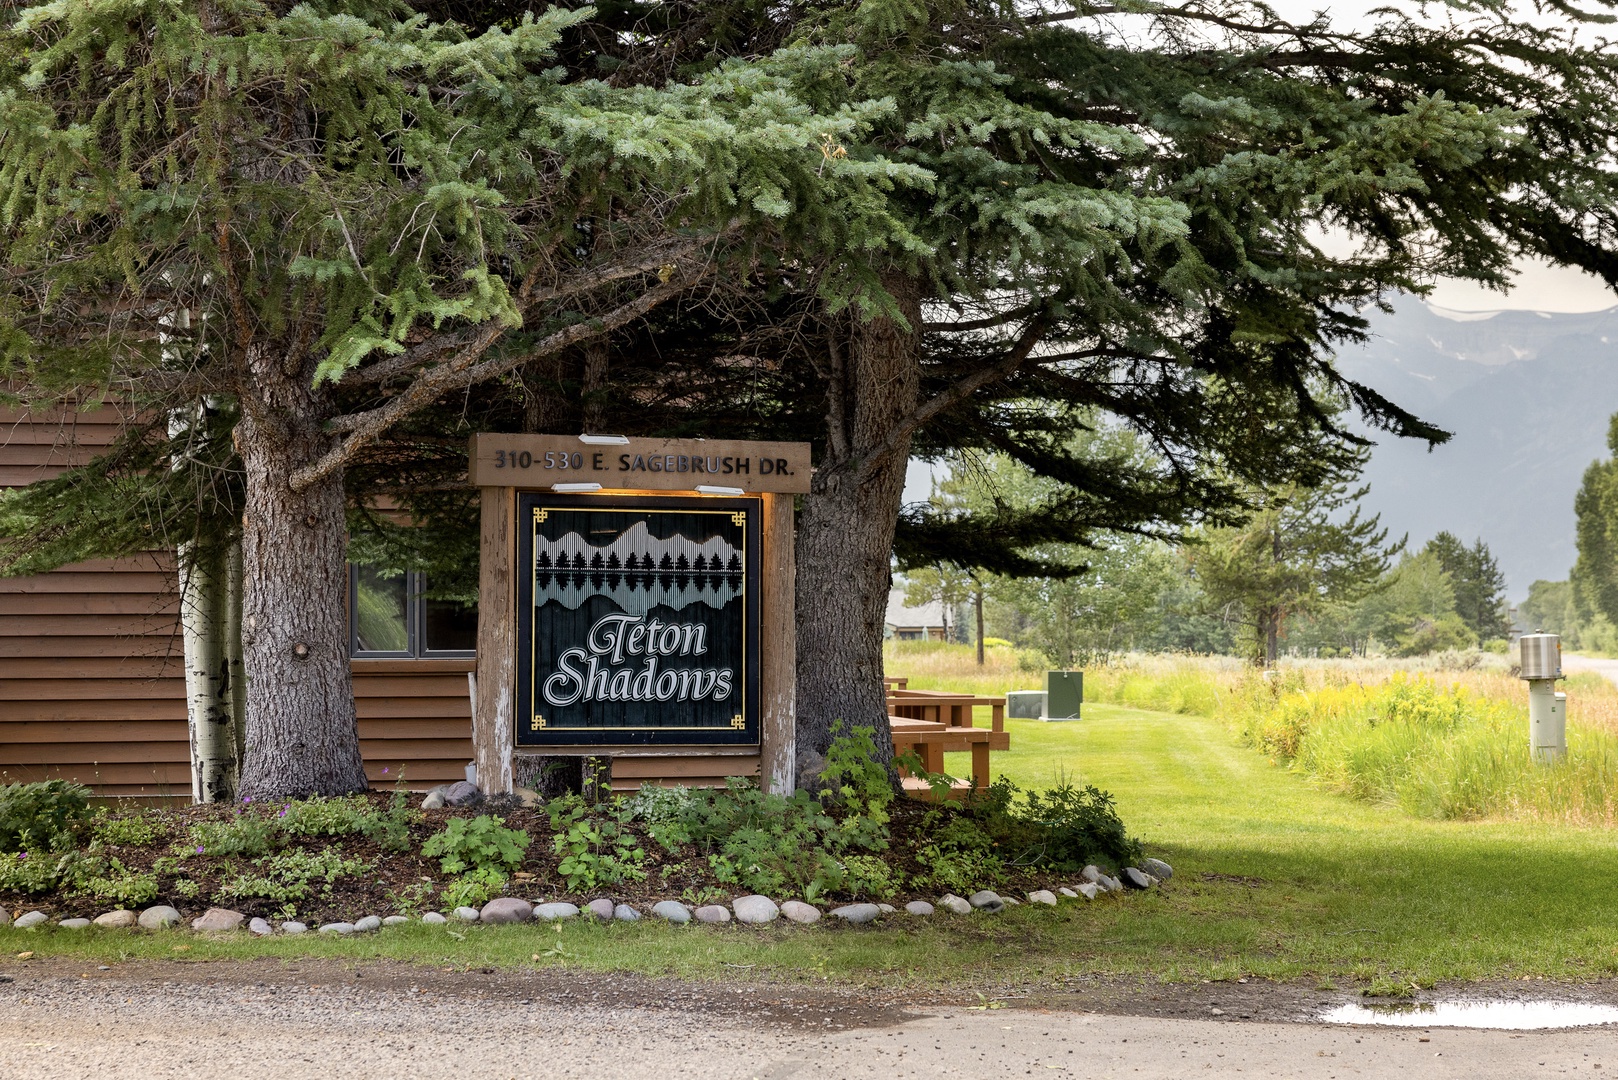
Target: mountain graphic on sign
[{"x": 637, "y": 571}]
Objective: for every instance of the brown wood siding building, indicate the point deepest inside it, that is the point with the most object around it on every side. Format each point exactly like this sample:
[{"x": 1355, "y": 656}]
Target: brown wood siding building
[{"x": 92, "y": 673}]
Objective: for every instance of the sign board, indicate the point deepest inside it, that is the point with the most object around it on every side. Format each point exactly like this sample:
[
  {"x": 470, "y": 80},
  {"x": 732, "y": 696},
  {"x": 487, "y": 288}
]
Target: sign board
[
  {"x": 637, "y": 620},
  {"x": 635, "y": 602},
  {"x": 639, "y": 464}
]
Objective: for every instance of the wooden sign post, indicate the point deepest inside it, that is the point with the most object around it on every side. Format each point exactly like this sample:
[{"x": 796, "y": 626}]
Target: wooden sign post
[{"x": 636, "y": 600}]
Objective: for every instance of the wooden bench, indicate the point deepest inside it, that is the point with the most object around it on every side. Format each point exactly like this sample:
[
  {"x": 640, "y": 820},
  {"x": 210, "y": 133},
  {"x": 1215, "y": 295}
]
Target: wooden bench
[
  {"x": 931, "y": 740},
  {"x": 942, "y": 706},
  {"x": 895, "y": 682}
]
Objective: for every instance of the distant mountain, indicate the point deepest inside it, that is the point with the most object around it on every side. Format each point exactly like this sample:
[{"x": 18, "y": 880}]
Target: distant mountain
[{"x": 1528, "y": 395}]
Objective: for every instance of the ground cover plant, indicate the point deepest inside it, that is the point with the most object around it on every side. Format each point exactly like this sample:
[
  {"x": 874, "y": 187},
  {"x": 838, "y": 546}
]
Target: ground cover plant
[{"x": 334, "y": 859}]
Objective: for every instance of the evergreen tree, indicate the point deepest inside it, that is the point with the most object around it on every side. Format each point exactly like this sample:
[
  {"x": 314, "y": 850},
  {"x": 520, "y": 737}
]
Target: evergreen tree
[
  {"x": 1595, "y": 574},
  {"x": 1304, "y": 551},
  {"x": 333, "y": 216},
  {"x": 1480, "y": 587}
]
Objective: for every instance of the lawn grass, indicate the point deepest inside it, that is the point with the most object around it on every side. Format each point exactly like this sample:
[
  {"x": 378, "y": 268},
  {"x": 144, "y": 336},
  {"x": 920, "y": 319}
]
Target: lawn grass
[{"x": 1273, "y": 877}]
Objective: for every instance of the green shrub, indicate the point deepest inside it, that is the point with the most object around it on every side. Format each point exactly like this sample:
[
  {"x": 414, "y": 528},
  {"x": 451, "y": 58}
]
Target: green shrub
[
  {"x": 868, "y": 876},
  {"x": 477, "y": 843},
  {"x": 475, "y": 888},
  {"x": 30, "y": 872},
  {"x": 1064, "y": 828},
  {"x": 42, "y": 816},
  {"x": 108, "y": 879},
  {"x": 960, "y": 870},
  {"x": 595, "y": 843},
  {"x": 293, "y": 875},
  {"x": 857, "y": 783},
  {"x": 346, "y": 815},
  {"x": 245, "y": 835},
  {"x": 127, "y": 830}
]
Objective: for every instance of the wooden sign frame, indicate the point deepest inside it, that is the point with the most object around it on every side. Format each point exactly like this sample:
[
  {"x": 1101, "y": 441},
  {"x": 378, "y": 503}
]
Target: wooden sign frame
[{"x": 502, "y": 466}]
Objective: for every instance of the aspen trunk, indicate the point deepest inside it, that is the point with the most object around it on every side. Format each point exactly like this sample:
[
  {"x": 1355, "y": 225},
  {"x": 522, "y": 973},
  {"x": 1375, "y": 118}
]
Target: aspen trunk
[
  {"x": 204, "y": 617},
  {"x": 302, "y": 738},
  {"x": 845, "y": 534}
]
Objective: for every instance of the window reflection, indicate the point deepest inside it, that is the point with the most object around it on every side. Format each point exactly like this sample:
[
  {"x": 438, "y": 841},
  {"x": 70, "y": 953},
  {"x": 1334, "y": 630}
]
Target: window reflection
[
  {"x": 380, "y": 612},
  {"x": 390, "y": 615}
]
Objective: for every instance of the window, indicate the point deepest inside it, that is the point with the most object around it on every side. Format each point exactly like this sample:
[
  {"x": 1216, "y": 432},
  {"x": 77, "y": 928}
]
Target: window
[{"x": 392, "y": 616}]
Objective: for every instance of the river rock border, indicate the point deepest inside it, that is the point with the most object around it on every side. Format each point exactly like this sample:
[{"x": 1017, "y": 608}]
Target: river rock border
[{"x": 750, "y": 910}]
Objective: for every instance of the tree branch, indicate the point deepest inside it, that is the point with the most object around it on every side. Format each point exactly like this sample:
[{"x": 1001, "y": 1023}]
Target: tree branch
[
  {"x": 958, "y": 391},
  {"x": 365, "y": 428}
]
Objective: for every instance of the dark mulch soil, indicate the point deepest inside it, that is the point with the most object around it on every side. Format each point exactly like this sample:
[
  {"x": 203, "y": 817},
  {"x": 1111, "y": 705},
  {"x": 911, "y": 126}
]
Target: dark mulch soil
[{"x": 682, "y": 875}]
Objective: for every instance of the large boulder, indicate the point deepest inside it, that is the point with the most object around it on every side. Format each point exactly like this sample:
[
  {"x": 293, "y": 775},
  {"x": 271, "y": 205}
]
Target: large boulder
[
  {"x": 857, "y": 913},
  {"x": 462, "y": 793},
  {"x": 158, "y": 917},
  {"x": 218, "y": 920},
  {"x": 507, "y": 909},
  {"x": 800, "y": 912},
  {"x": 755, "y": 909},
  {"x": 672, "y": 911}
]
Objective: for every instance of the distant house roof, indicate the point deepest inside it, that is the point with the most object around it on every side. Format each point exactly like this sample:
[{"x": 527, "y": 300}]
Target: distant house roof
[{"x": 901, "y": 616}]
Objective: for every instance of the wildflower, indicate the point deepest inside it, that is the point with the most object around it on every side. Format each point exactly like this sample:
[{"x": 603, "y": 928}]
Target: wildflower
[
  {"x": 384, "y": 772},
  {"x": 199, "y": 849}
]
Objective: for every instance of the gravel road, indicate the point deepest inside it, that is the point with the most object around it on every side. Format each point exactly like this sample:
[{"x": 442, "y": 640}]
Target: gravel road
[
  {"x": 318, "y": 1020},
  {"x": 1573, "y": 662}
]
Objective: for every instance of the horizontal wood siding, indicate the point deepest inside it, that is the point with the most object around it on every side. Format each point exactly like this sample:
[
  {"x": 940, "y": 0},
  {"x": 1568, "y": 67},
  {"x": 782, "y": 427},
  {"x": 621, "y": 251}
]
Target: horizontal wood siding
[
  {"x": 92, "y": 679},
  {"x": 631, "y": 773},
  {"x": 415, "y": 721}
]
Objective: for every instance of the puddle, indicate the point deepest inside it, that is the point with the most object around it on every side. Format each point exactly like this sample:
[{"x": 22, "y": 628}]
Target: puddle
[{"x": 1500, "y": 1015}]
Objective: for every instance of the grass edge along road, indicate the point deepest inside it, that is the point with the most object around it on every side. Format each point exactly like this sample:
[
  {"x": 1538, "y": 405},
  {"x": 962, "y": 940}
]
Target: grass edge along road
[{"x": 1274, "y": 877}]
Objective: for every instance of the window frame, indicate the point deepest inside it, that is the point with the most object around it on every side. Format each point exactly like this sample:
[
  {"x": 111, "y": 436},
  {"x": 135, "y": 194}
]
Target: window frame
[{"x": 415, "y": 624}]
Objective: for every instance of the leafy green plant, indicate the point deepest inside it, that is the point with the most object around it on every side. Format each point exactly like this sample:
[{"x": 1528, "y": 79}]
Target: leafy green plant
[
  {"x": 42, "y": 816},
  {"x": 475, "y": 887},
  {"x": 411, "y": 899},
  {"x": 186, "y": 889},
  {"x": 390, "y": 828},
  {"x": 292, "y": 875},
  {"x": 352, "y": 815},
  {"x": 30, "y": 871},
  {"x": 595, "y": 843},
  {"x": 478, "y": 843},
  {"x": 869, "y": 876},
  {"x": 959, "y": 870},
  {"x": 110, "y": 880},
  {"x": 855, "y": 781},
  {"x": 245, "y": 835},
  {"x": 348, "y": 815},
  {"x": 126, "y": 830}
]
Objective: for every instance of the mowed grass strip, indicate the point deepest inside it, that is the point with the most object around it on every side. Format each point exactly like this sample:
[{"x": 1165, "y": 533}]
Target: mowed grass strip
[{"x": 1273, "y": 877}]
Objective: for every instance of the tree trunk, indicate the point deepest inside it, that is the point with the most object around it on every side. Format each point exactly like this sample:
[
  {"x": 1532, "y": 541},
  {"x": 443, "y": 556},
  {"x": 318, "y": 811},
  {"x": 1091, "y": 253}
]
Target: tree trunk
[
  {"x": 845, "y": 534},
  {"x": 977, "y": 602},
  {"x": 204, "y": 618},
  {"x": 1269, "y": 634},
  {"x": 302, "y": 738}
]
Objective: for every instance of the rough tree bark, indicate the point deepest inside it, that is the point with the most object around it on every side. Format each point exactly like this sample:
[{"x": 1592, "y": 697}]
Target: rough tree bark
[
  {"x": 845, "y": 533},
  {"x": 302, "y": 738}
]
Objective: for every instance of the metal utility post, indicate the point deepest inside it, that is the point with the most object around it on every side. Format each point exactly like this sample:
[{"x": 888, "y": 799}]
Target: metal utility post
[{"x": 1547, "y": 707}]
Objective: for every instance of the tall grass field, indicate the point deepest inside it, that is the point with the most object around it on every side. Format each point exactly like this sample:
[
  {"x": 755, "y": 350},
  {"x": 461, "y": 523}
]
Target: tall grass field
[{"x": 1443, "y": 738}]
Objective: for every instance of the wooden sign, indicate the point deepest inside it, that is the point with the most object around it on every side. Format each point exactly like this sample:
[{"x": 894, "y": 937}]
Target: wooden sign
[
  {"x": 626, "y": 621},
  {"x": 639, "y": 464},
  {"x": 637, "y": 620}
]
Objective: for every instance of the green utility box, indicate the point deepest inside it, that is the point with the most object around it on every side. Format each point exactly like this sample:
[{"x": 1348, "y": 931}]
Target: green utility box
[{"x": 1064, "y": 693}]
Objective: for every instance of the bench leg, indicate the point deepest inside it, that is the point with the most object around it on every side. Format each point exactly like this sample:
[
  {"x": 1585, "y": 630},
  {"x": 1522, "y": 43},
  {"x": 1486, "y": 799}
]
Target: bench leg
[
  {"x": 933, "y": 755},
  {"x": 980, "y": 765}
]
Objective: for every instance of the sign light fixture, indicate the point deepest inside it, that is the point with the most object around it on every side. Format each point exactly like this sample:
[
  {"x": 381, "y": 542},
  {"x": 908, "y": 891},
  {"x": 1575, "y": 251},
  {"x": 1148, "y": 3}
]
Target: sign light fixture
[
  {"x": 604, "y": 440},
  {"x": 709, "y": 489},
  {"x": 574, "y": 489}
]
